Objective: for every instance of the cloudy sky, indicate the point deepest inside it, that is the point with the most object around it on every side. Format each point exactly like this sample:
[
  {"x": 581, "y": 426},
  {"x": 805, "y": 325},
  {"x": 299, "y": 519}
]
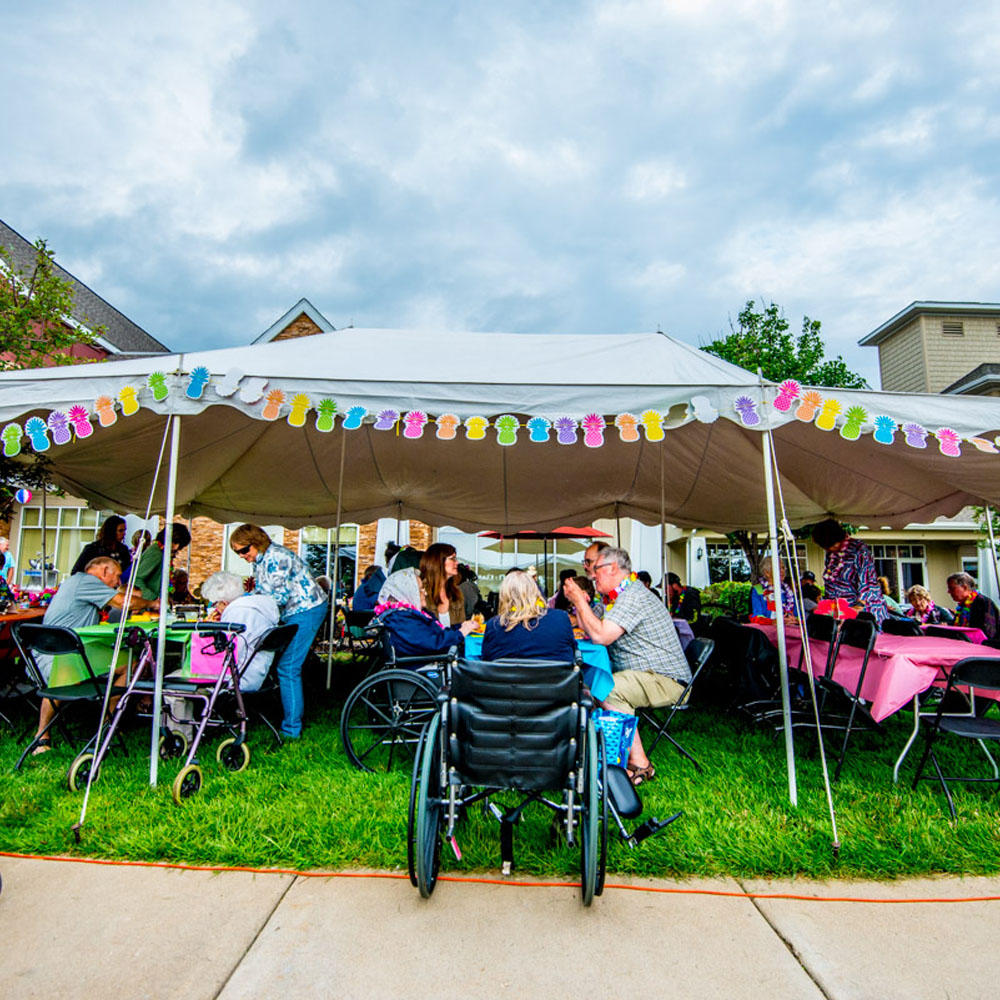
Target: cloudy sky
[{"x": 520, "y": 166}]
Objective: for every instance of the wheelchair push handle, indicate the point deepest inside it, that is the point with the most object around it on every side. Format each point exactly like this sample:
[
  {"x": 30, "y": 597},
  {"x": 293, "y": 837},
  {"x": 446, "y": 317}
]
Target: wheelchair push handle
[{"x": 207, "y": 627}]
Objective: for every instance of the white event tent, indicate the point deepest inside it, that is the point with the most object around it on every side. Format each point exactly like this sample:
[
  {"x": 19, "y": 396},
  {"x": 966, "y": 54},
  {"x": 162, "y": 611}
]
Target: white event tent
[{"x": 497, "y": 431}]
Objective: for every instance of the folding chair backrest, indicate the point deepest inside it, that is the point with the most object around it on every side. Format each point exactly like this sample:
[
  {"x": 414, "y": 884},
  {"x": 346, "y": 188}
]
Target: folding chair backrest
[
  {"x": 901, "y": 626},
  {"x": 358, "y": 621},
  {"x": 940, "y": 632},
  {"x": 978, "y": 672},
  {"x": 51, "y": 640},
  {"x": 859, "y": 633},
  {"x": 275, "y": 640},
  {"x": 698, "y": 651},
  {"x": 515, "y": 723}
]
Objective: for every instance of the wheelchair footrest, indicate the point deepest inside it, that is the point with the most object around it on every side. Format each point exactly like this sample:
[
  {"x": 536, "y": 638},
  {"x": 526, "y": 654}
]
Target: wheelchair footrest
[{"x": 653, "y": 826}]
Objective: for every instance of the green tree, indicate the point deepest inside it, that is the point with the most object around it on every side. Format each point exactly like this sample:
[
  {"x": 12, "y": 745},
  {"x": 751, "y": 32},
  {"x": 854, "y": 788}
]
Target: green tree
[
  {"x": 35, "y": 328},
  {"x": 35, "y": 310},
  {"x": 761, "y": 339}
]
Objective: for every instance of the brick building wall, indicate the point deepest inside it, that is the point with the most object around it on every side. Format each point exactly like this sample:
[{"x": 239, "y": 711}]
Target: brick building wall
[
  {"x": 421, "y": 535},
  {"x": 301, "y": 326}
]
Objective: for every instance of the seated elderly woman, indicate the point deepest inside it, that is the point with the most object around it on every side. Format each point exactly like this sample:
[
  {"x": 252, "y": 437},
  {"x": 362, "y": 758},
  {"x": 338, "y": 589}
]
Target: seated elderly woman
[
  {"x": 525, "y": 627},
  {"x": 924, "y": 610},
  {"x": 413, "y": 631},
  {"x": 257, "y": 612}
]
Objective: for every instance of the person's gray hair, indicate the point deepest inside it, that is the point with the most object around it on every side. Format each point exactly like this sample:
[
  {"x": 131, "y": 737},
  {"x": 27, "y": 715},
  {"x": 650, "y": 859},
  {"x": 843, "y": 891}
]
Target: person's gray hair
[
  {"x": 222, "y": 588},
  {"x": 620, "y": 556},
  {"x": 963, "y": 580}
]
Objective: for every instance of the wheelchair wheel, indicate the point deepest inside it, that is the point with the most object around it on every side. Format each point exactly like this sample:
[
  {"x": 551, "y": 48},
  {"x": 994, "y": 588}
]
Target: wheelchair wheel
[
  {"x": 79, "y": 772},
  {"x": 384, "y": 716},
  {"x": 427, "y": 845},
  {"x": 602, "y": 844},
  {"x": 187, "y": 783},
  {"x": 411, "y": 816},
  {"x": 173, "y": 744},
  {"x": 231, "y": 756},
  {"x": 590, "y": 818}
]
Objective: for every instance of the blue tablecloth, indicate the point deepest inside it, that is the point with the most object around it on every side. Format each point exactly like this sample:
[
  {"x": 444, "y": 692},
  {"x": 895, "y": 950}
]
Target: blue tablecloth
[{"x": 596, "y": 664}]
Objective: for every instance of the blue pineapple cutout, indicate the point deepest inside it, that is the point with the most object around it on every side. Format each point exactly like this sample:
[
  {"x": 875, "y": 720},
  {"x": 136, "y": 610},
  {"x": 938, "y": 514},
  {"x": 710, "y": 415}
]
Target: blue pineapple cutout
[
  {"x": 38, "y": 432},
  {"x": 198, "y": 381},
  {"x": 885, "y": 429},
  {"x": 354, "y": 418},
  {"x": 538, "y": 429}
]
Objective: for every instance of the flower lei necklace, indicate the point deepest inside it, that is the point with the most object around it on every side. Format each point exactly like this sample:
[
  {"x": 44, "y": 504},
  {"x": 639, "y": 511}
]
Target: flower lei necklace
[{"x": 609, "y": 601}]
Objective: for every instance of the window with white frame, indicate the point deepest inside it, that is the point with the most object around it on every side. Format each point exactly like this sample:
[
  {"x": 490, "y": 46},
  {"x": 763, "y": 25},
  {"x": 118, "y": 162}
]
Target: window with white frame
[
  {"x": 903, "y": 565},
  {"x": 67, "y": 531}
]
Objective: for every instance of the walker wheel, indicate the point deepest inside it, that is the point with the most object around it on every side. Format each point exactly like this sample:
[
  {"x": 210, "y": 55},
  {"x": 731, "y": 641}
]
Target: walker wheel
[
  {"x": 187, "y": 783},
  {"x": 79, "y": 772},
  {"x": 233, "y": 756},
  {"x": 173, "y": 744}
]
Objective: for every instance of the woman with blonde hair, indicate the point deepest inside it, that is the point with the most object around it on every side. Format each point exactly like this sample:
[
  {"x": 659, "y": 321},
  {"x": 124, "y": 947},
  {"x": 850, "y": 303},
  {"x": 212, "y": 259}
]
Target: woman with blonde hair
[
  {"x": 439, "y": 574},
  {"x": 525, "y": 628},
  {"x": 924, "y": 610}
]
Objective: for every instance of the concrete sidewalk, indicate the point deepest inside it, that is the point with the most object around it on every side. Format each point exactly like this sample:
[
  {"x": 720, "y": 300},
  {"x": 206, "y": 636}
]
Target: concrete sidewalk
[{"x": 72, "y": 930}]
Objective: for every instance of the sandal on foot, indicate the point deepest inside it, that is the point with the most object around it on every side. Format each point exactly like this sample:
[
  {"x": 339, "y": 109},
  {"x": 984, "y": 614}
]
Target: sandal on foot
[
  {"x": 44, "y": 746},
  {"x": 640, "y": 775}
]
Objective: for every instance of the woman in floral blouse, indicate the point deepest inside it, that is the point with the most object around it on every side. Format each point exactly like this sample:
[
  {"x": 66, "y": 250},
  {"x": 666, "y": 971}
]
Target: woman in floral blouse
[{"x": 282, "y": 574}]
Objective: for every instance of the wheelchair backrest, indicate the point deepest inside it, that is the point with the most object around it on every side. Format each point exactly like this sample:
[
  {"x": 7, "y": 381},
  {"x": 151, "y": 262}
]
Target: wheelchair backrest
[{"x": 515, "y": 723}]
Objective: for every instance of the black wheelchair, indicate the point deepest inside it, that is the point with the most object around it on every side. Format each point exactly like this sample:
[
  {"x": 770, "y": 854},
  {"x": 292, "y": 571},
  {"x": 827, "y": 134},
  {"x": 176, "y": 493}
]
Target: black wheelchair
[
  {"x": 384, "y": 715},
  {"x": 521, "y": 726}
]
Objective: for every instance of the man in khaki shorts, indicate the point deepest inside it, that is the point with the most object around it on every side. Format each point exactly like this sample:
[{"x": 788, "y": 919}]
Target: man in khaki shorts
[{"x": 650, "y": 666}]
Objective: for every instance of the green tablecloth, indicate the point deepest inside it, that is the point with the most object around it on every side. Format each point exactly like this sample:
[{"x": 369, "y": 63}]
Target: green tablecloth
[{"x": 99, "y": 643}]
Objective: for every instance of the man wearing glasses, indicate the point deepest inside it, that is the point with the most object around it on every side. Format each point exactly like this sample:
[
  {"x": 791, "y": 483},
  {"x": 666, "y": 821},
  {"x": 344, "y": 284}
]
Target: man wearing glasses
[
  {"x": 646, "y": 655},
  {"x": 590, "y": 556}
]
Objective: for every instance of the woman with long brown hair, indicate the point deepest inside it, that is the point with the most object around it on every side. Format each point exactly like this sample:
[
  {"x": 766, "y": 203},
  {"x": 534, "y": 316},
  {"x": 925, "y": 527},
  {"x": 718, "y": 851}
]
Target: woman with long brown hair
[{"x": 439, "y": 575}]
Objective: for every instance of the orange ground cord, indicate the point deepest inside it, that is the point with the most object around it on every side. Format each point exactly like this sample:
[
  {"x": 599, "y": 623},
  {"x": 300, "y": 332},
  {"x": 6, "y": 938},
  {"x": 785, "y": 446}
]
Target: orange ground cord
[{"x": 492, "y": 881}]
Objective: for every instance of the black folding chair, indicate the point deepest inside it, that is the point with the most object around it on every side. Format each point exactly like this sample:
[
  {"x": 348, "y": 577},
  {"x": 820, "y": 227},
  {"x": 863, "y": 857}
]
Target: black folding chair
[
  {"x": 943, "y": 632},
  {"x": 53, "y": 640},
  {"x": 974, "y": 673},
  {"x": 661, "y": 719},
  {"x": 901, "y": 626}
]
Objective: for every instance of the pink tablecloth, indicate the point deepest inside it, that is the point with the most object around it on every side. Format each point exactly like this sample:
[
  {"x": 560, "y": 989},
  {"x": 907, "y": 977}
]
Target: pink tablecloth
[
  {"x": 976, "y": 635},
  {"x": 900, "y": 666}
]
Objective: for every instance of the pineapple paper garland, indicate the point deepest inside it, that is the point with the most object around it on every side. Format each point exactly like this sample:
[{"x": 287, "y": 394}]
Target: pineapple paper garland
[{"x": 827, "y": 413}]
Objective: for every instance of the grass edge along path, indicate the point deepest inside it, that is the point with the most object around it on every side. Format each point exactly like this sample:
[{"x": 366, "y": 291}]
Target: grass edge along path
[{"x": 304, "y": 807}]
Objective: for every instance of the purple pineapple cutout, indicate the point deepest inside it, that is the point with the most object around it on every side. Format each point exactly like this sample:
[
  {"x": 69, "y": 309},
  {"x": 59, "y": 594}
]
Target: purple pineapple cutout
[
  {"x": 916, "y": 436},
  {"x": 565, "y": 430},
  {"x": 59, "y": 426},
  {"x": 747, "y": 409},
  {"x": 385, "y": 420}
]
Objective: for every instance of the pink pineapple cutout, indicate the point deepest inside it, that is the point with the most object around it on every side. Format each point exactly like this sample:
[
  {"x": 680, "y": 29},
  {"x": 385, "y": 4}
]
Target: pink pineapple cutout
[
  {"x": 104, "y": 407},
  {"x": 810, "y": 402},
  {"x": 447, "y": 426},
  {"x": 272, "y": 404},
  {"x": 414, "y": 423},
  {"x": 628, "y": 427},
  {"x": 949, "y": 442},
  {"x": 593, "y": 430},
  {"x": 788, "y": 392},
  {"x": 80, "y": 419}
]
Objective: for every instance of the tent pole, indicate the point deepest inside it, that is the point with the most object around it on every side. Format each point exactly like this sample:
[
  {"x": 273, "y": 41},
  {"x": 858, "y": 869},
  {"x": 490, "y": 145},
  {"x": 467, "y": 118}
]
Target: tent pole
[
  {"x": 336, "y": 563},
  {"x": 168, "y": 537},
  {"x": 779, "y": 620},
  {"x": 993, "y": 545},
  {"x": 45, "y": 573},
  {"x": 663, "y": 536}
]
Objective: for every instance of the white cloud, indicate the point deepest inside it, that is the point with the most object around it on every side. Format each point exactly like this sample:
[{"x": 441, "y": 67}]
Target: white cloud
[
  {"x": 654, "y": 181},
  {"x": 657, "y": 276}
]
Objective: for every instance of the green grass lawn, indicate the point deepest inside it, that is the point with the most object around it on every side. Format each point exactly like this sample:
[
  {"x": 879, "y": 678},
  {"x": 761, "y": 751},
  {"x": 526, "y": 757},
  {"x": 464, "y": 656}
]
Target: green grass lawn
[{"x": 303, "y": 806}]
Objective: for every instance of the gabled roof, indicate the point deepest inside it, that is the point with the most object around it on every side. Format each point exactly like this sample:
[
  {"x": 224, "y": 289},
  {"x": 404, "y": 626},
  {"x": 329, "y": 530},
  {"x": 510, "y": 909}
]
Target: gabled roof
[
  {"x": 982, "y": 378},
  {"x": 915, "y": 309},
  {"x": 122, "y": 336},
  {"x": 282, "y": 323}
]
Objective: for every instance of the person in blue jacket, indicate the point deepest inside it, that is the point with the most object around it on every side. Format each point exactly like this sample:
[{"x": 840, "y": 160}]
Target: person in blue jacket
[
  {"x": 412, "y": 631},
  {"x": 366, "y": 596},
  {"x": 525, "y": 628}
]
